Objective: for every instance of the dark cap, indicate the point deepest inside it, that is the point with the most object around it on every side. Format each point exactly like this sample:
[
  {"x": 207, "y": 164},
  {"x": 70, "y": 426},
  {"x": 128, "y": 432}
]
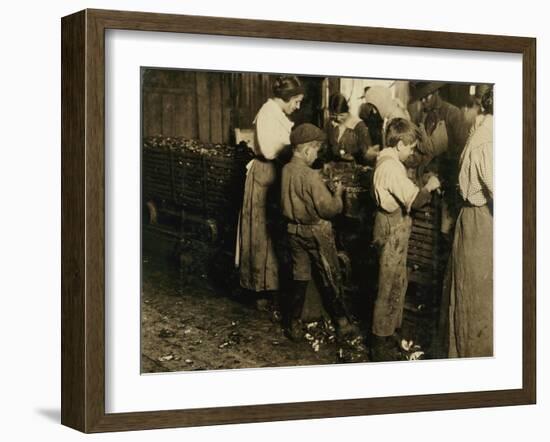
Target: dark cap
[
  {"x": 305, "y": 133},
  {"x": 424, "y": 88},
  {"x": 364, "y": 92}
]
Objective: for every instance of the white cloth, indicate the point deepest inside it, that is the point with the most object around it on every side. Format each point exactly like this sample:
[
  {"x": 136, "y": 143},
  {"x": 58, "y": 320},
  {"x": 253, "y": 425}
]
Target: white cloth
[
  {"x": 392, "y": 187},
  {"x": 476, "y": 163},
  {"x": 272, "y": 129}
]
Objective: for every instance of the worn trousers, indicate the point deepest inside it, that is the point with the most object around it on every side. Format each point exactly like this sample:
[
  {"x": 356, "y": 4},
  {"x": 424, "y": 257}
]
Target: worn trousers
[
  {"x": 313, "y": 246},
  {"x": 391, "y": 236}
]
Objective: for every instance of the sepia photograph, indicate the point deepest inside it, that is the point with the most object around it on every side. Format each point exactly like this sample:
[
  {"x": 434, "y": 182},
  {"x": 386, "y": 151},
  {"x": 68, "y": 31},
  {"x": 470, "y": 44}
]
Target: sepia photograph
[
  {"x": 267, "y": 221},
  {"x": 297, "y": 220}
]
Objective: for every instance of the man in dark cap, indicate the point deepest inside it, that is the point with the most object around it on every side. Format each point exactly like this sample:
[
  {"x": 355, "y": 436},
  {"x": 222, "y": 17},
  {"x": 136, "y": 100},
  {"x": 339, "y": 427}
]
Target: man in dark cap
[
  {"x": 448, "y": 131},
  {"x": 308, "y": 205}
]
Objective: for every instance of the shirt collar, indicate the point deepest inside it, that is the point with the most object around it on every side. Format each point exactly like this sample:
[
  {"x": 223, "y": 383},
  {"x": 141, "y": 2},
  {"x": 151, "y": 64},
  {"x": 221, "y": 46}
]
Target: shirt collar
[{"x": 388, "y": 152}]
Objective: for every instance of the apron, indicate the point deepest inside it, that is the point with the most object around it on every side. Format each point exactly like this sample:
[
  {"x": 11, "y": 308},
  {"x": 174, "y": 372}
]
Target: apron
[
  {"x": 255, "y": 251},
  {"x": 467, "y": 310}
]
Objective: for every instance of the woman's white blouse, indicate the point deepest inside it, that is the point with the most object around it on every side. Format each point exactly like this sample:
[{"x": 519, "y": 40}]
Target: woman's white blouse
[{"x": 272, "y": 129}]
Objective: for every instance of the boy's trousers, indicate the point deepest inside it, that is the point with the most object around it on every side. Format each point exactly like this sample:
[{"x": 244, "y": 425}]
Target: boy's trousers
[
  {"x": 313, "y": 245},
  {"x": 391, "y": 236}
]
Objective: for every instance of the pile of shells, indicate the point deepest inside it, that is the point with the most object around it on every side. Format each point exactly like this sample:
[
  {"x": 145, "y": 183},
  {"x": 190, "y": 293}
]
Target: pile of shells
[{"x": 183, "y": 144}]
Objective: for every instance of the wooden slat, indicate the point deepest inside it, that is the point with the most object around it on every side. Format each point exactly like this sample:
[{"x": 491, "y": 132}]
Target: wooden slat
[
  {"x": 266, "y": 87},
  {"x": 426, "y": 247},
  {"x": 530, "y": 220},
  {"x": 152, "y": 161},
  {"x": 160, "y": 158},
  {"x": 416, "y": 247},
  {"x": 216, "y": 107},
  {"x": 179, "y": 90},
  {"x": 422, "y": 241},
  {"x": 227, "y": 108},
  {"x": 254, "y": 93},
  {"x": 157, "y": 184},
  {"x": 421, "y": 254},
  {"x": 203, "y": 106},
  {"x": 168, "y": 114},
  {"x": 152, "y": 114},
  {"x": 191, "y": 24},
  {"x": 245, "y": 120},
  {"x": 421, "y": 260},
  {"x": 422, "y": 230},
  {"x": 429, "y": 225},
  {"x": 180, "y": 122},
  {"x": 333, "y": 85},
  {"x": 420, "y": 277},
  {"x": 160, "y": 181},
  {"x": 74, "y": 402},
  {"x": 257, "y": 96},
  {"x": 186, "y": 106}
]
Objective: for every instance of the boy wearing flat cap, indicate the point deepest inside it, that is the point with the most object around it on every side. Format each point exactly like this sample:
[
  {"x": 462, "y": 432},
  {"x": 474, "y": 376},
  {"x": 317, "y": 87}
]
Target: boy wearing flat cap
[{"x": 308, "y": 205}]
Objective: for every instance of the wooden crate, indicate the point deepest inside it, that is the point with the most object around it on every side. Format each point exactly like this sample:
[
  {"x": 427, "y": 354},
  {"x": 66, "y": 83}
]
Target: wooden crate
[
  {"x": 157, "y": 174},
  {"x": 423, "y": 259},
  {"x": 224, "y": 184},
  {"x": 189, "y": 186}
]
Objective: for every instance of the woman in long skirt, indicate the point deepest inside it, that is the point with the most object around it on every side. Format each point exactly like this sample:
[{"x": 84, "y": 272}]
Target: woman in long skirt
[
  {"x": 469, "y": 281},
  {"x": 258, "y": 264}
]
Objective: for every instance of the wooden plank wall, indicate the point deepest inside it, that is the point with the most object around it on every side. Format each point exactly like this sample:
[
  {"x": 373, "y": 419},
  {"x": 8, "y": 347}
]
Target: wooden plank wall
[
  {"x": 202, "y": 105},
  {"x": 209, "y": 105}
]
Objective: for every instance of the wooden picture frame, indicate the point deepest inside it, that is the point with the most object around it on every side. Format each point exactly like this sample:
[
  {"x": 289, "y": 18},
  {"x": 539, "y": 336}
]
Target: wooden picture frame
[{"x": 83, "y": 220}]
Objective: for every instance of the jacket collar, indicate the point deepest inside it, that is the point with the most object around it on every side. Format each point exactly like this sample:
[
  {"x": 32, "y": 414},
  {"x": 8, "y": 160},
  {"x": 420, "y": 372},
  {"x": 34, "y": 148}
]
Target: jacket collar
[{"x": 298, "y": 161}]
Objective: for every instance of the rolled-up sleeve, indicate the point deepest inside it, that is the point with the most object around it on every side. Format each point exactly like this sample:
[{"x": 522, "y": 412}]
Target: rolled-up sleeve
[{"x": 403, "y": 190}]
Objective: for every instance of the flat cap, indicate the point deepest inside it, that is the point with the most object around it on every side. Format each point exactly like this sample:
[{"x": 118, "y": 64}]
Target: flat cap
[
  {"x": 305, "y": 133},
  {"x": 424, "y": 88}
]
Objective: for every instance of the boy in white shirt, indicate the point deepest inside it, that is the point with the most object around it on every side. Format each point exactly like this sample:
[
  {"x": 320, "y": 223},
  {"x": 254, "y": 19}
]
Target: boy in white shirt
[{"x": 395, "y": 195}]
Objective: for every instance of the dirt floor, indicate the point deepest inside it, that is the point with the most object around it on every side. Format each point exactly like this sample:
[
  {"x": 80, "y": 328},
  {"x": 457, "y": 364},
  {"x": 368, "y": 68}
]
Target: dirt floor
[{"x": 194, "y": 326}]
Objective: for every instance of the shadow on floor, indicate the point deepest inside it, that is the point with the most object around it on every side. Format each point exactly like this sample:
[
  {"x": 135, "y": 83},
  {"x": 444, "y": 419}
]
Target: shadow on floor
[{"x": 52, "y": 414}]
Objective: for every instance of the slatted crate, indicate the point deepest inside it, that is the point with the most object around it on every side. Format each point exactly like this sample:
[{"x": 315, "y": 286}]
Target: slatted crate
[
  {"x": 423, "y": 259},
  {"x": 157, "y": 174},
  {"x": 189, "y": 185},
  {"x": 205, "y": 179},
  {"x": 224, "y": 179}
]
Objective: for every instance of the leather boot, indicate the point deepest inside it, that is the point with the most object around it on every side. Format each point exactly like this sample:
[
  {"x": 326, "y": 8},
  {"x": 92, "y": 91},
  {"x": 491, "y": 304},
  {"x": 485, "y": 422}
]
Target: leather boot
[{"x": 292, "y": 326}]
